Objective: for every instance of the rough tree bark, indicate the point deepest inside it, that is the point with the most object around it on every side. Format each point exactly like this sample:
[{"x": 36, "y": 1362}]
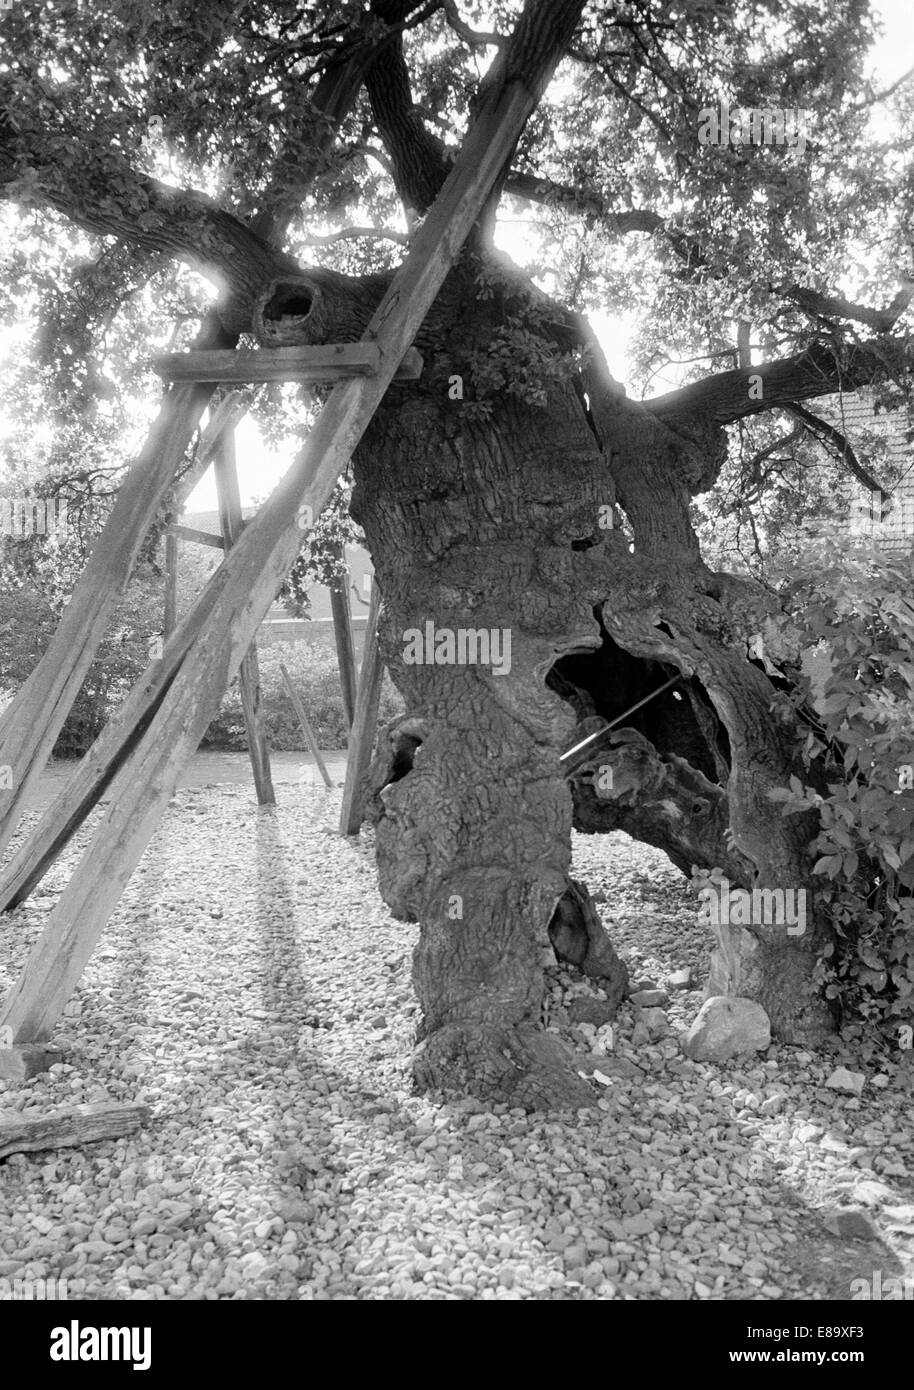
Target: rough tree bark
[{"x": 491, "y": 520}]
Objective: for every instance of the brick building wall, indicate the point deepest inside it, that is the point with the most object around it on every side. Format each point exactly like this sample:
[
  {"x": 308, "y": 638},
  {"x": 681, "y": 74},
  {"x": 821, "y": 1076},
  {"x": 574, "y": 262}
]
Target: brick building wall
[{"x": 881, "y": 441}]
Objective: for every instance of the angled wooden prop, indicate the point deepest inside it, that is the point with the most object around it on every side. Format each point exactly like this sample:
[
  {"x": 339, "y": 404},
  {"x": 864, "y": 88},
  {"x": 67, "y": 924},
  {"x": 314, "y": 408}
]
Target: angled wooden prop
[
  {"x": 238, "y": 596},
  {"x": 228, "y": 493},
  {"x": 170, "y": 616},
  {"x": 228, "y": 415},
  {"x": 361, "y": 735},
  {"x": 342, "y": 632}
]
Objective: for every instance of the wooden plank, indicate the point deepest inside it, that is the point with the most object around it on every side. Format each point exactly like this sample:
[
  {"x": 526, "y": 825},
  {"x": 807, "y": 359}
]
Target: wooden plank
[
  {"x": 303, "y": 719},
  {"x": 315, "y": 362},
  {"x": 229, "y": 498},
  {"x": 209, "y": 644},
  {"x": 365, "y": 722},
  {"x": 342, "y": 632},
  {"x": 170, "y": 619},
  {"x": 190, "y": 533},
  {"x": 78, "y": 1125}
]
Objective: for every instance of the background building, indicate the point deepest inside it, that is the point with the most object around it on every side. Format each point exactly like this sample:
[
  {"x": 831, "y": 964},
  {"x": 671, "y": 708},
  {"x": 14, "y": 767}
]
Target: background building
[{"x": 196, "y": 563}]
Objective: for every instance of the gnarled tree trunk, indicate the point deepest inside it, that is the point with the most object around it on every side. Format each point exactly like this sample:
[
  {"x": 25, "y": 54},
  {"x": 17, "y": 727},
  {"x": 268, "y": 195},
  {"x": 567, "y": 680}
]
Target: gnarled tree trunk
[{"x": 485, "y": 518}]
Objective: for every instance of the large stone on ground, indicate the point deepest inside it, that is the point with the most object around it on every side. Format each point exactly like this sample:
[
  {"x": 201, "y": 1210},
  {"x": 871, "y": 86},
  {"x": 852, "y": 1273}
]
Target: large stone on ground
[
  {"x": 843, "y": 1080},
  {"x": 651, "y": 1025},
  {"x": 727, "y": 1026},
  {"x": 850, "y": 1223},
  {"x": 595, "y": 1011}
]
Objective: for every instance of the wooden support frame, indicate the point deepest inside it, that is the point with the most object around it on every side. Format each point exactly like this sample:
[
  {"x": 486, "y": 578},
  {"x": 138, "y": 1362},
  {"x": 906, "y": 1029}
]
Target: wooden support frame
[
  {"x": 174, "y": 704},
  {"x": 225, "y": 467},
  {"x": 365, "y": 722},
  {"x": 227, "y": 415},
  {"x": 317, "y": 362},
  {"x": 31, "y": 723}
]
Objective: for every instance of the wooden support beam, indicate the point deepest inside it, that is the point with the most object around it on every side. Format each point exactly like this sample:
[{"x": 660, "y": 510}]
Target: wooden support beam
[
  {"x": 298, "y": 706},
  {"x": 317, "y": 362},
  {"x": 190, "y": 533},
  {"x": 743, "y": 344},
  {"x": 170, "y": 619},
  {"x": 365, "y": 722},
  {"x": 342, "y": 632},
  {"x": 176, "y": 704},
  {"x": 229, "y": 498}
]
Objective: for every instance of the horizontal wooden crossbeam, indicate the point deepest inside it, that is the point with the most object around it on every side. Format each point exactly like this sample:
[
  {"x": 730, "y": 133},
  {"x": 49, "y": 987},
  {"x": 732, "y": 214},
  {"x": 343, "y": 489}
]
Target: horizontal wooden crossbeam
[
  {"x": 317, "y": 362},
  {"x": 189, "y": 533}
]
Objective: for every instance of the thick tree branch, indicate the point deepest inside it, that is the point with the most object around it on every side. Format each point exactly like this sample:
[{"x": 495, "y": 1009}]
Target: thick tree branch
[
  {"x": 333, "y": 97},
  {"x": 539, "y": 190},
  {"x": 179, "y": 223},
  {"x": 161, "y": 221},
  {"x": 419, "y": 159},
  {"x": 886, "y": 92},
  {"x": 356, "y": 233},
  {"x": 818, "y": 371},
  {"x": 473, "y": 37},
  {"x": 839, "y": 443},
  {"x": 837, "y": 307},
  {"x": 619, "y": 223}
]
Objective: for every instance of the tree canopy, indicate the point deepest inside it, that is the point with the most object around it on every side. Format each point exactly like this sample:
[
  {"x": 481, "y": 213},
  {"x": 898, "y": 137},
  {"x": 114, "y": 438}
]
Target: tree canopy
[{"x": 154, "y": 155}]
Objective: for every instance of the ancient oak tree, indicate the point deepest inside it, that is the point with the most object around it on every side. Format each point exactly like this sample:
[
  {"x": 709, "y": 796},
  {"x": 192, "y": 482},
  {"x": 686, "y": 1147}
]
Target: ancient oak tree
[{"x": 532, "y": 526}]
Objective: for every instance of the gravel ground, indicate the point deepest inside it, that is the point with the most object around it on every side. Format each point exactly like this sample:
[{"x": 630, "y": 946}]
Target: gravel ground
[{"x": 255, "y": 992}]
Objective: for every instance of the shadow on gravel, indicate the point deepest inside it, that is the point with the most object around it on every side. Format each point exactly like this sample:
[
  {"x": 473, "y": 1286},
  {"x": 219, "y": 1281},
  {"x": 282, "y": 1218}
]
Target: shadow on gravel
[{"x": 827, "y": 1266}]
